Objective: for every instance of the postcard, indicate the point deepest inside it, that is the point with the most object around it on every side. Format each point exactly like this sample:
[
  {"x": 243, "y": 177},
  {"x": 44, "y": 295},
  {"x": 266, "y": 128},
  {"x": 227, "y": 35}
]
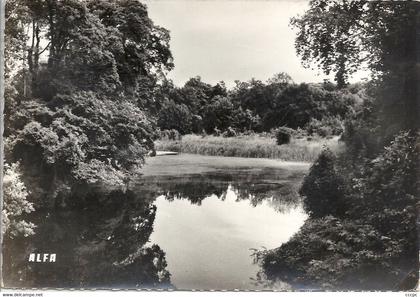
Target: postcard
[{"x": 236, "y": 145}]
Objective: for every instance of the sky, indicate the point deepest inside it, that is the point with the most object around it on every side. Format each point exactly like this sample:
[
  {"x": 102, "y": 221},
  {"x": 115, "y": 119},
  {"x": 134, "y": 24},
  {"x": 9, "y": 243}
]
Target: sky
[{"x": 232, "y": 39}]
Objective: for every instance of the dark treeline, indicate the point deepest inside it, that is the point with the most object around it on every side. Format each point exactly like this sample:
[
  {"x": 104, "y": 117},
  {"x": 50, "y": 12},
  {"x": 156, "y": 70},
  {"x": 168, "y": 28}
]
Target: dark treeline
[{"x": 257, "y": 106}]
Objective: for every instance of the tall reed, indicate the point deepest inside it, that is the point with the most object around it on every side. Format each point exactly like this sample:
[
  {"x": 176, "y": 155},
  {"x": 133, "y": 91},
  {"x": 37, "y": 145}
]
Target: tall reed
[{"x": 252, "y": 146}]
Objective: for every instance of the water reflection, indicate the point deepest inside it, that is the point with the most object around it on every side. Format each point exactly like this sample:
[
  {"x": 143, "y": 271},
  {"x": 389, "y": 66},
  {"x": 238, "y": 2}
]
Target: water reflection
[
  {"x": 208, "y": 246},
  {"x": 188, "y": 222},
  {"x": 102, "y": 245},
  {"x": 281, "y": 194}
]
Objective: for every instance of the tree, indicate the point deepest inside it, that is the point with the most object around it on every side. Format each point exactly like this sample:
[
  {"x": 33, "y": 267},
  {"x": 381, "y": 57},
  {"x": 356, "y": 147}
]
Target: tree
[
  {"x": 196, "y": 94},
  {"x": 280, "y": 78},
  {"x": 219, "y": 114},
  {"x": 246, "y": 120},
  {"x": 83, "y": 116},
  {"x": 105, "y": 44},
  {"x": 175, "y": 116},
  {"x": 326, "y": 35},
  {"x": 140, "y": 48},
  {"x": 143, "y": 48},
  {"x": 341, "y": 36},
  {"x": 253, "y": 95}
]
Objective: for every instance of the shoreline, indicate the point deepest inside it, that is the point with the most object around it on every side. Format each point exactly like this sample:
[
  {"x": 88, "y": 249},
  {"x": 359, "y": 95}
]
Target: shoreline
[
  {"x": 249, "y": 146},
  {"x": 185, "y": 164},
  {"x": 284, "y": 162}
]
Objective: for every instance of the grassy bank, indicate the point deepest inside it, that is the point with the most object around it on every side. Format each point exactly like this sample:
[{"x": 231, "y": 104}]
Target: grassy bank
[{"x": 250, "y": 146}]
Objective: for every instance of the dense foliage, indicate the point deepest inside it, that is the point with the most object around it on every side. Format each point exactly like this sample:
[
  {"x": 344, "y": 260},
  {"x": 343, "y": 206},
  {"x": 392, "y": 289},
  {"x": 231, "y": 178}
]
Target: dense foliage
[
  {"x": 256, "y": 106},
  {"x": 361, "y": 233},
  {"x": 323, "y": 188},
  {"x": 390, "y": 184},
  {"x": 16, "y": 204},
  {"x": 373, "y": 245},
  {"x": 283, "y": 135},
  {"x": 80, "y": 97},
  {"x": 342, "y": 36},
  {"x": 85, "y": 88},
  {"x": 346, "y": 255}
]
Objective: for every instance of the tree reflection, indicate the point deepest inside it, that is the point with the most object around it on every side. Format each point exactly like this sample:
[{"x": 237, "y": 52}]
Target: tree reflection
[
  {"x": 280, "y": 195},
  {"x": 102, "y": 238},
  {"x": 102, "y": 245}
]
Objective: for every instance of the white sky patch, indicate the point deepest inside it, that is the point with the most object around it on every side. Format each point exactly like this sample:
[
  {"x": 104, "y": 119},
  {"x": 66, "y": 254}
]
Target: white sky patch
[{"x": 232, "y": 40}]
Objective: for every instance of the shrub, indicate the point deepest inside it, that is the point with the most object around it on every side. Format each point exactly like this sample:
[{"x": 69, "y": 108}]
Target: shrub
[
  {"x": 283, "y": 135},
  {"x": 230, "y": 132},
  {"x": 15, "y": 204},
  {"x": 363, "y": 134},
  {"x": 171, "y": 134},
  {"x": 330, "y": 253},
  {"x": 300, "y": 133},
  {"x": 324, "y": 131},
  {"x": 328, "y": 126},
  {"x": 68, "y": 139},
  {"x": 373, "y": 244},
  {"x": 323, "y": 188},
  {"x": 387, "y": 194}
]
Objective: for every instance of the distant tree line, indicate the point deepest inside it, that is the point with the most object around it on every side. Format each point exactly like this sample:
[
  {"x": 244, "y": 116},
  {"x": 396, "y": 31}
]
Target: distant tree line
[{"x": 256, "y": 106}]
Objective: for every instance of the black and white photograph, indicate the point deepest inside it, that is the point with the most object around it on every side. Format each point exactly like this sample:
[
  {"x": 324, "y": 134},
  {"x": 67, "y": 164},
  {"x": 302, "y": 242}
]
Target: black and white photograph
[{"x": 210, "y": 145}]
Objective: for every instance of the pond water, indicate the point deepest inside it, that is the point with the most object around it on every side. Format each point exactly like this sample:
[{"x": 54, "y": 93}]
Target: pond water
[{"x": 189, "y": 222}]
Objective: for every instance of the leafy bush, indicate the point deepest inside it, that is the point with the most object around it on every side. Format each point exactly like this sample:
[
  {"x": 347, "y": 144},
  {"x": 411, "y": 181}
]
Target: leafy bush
[
  {"x": 362, "y": 132},
  {"x": 246, "y": 120},
  {"x": 15, "y": 204},
  {"x": 373, "y": 244},
  {"x": 323, "y": 188},
  {"x": 330, "y": 253},
  {"x": 325, "y": 127},
  {"x": 170, "y": 135},
  {"x": 230, "y": 132},
  {"x": 283, "y": 135},
  {"x": 83, "y": 137},
  {"x": 300, "y": 133},
  {"x": 387, "y": 193}
]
